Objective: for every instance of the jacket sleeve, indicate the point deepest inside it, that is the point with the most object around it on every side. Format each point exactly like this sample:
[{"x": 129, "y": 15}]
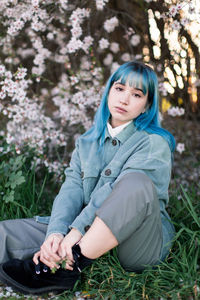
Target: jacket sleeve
[
  {"x": 154, "y": 160},
  {"x": 69, "y": 201}
]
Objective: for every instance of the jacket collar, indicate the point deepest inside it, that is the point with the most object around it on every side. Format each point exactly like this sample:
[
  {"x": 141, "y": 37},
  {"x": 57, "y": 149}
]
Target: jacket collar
[{"x": 124, "y": 134}]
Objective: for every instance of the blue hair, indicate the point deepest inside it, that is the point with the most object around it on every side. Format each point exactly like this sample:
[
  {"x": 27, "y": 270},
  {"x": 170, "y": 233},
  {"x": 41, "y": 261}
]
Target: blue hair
[{"x": 139, "y": 75}]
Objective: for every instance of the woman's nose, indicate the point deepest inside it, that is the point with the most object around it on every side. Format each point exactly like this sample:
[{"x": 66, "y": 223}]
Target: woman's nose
[{"x": 124, "y": 99}]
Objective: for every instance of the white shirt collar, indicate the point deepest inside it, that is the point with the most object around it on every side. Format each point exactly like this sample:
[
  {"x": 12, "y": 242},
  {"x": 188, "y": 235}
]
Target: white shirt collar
[{"x": 114, "y": 131}]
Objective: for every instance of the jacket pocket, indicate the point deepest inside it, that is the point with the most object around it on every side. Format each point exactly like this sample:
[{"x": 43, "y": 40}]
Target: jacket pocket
[{"x": 90, "y": 177}]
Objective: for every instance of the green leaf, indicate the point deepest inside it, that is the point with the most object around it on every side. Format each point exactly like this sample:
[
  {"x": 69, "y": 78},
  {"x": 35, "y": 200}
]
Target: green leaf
[
  {"x": 9, "y": 197},
  {"x": 16, "y": 179}
]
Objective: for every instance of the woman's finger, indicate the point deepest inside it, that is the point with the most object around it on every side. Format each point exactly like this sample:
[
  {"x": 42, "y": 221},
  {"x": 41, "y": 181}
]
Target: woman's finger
[
  {"x": 48, "y": 254},
  {"x": 56, "y": 243},
  {"x": 50, "y": 264},
  {"x": 69, "y": 265},
  {"x": 65, "y": 251},
  {"x": 36, "y": 257}
]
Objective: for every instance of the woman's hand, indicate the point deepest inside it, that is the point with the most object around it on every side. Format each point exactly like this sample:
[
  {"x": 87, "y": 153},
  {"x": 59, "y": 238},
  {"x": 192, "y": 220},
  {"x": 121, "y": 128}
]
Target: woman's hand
[
  {"x": 49, "y": 251},
  {"x": 65, "y": 249}
]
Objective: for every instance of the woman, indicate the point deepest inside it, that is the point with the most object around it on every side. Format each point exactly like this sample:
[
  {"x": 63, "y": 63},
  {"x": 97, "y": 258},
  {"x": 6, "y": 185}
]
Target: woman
[{"x": 114, "y": 195}]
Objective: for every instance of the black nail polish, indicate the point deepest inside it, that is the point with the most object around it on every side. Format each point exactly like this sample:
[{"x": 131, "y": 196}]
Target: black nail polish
[
  {"x": 37, "y": 268},
  {"x": 45, "y": 269}
]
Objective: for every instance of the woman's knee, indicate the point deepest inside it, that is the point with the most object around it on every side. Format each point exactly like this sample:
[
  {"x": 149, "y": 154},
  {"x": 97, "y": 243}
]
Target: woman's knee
[{"x": 136, "y": 186}]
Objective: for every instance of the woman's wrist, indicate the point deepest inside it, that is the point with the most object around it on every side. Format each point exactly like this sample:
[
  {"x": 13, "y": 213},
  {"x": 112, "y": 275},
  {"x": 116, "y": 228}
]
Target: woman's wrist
[
  {"x": 75, "y": 233},
  {"x": 57, "y": 234}
]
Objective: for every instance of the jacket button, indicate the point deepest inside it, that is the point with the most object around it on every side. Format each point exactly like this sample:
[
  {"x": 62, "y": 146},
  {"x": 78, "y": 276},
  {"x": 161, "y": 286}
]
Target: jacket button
[
  {"x": 107, "y": 172},
  {"x": 82, "y": 174},
  {"x": 114, "y": 142}
]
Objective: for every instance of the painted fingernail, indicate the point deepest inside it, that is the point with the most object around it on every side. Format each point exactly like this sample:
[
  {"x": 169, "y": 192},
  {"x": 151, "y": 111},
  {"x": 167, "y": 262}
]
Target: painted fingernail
[
  {"x": 45, "y": 269},
  {"x": 37, "y": 268}
]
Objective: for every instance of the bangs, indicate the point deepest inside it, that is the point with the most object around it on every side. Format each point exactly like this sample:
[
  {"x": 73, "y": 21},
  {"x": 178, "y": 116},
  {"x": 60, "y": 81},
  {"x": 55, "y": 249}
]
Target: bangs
[{"x": 136, "y": 78}]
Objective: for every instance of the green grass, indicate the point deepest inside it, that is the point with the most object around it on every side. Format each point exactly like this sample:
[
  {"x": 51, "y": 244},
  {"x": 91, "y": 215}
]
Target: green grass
[{"x": 176, "y": 278}]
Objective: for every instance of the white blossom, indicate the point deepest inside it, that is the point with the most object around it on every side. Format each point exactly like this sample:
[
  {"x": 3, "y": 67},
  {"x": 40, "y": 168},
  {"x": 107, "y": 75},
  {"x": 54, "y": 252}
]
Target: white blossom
[
  {"x": 74, "y": 45},
  {"x": 114, "y": 67},
  {"x": 64, "y": 4},
  {"x": 135, "y": 40},
  {"x": 87, "y": 43},
  {"x": 100, "y": 4},
  {"x": 50, "y": 36},
  {"x": 103, "y": 43},
  {"x": 162, "y": 89},
  {"x": 2, "y": 70},
  {"x": 176, "y": 25},
  {"x": 173, "y": 11},
  {"x": 35, "y": 2},
  {"x": 180, "y": 147},
  {"x": 185, "y": 21},
  {"x": 21, "y": 73},
  {"x": 108, "y": 59},
  {"x": 110, "y": 24},
  {"x": 76, "y": 31},
  {"x": 114, "y": 47},
  {"x": 125, "y": 57},
  {"x": 15, "y": 27},
  {"x": 176, "y": 111},
  {"x": 2, "y": 96}
]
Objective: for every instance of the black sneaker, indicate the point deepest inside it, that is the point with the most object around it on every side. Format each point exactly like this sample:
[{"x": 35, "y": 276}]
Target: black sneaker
[{"x": 28, "y": 278}]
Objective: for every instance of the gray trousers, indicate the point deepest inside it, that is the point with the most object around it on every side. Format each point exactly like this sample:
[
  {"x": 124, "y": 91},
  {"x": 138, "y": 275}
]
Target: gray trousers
[{"x": 132, "y": 213}]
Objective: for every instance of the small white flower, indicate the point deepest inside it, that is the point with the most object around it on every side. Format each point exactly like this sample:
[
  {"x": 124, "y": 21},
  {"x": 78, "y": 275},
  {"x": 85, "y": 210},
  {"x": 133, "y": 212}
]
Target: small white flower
[
  {"x": 109, "y": 25},
  {"x": 135, "y": 40},
  {"x": 125, "y": 57},
  {"x": 21, "y": 73},
  {"x": 114, "y": 67},
  {"x": 180, "y": 147},
  {"x": 176, "y": 111},
  {"x": 162, "y": 89},
  {"x": 2, "y": 69},
  {"x": 185, "y": 21},
  {"x": 159, "y": 67},
  {"x": 173, "y": 11},
  {"x": 108, "y": 59},
  {"x": 76, "y": 31},
  {"x": 64, "y": 3},
  {"x": 192, "y": 9},
  {"x": 87, "y": 43},
  {"x": 103, "y": 43},
  {"x": 50, "y": 36},
  {"x": 176, "y": 25},
  {"x": 100, "y": 4},
  {"x": 114, "y": 47},
  {"x": 35, "y": 2},
  {"x": 2, "y": 95},
  {"x": 138, "y": 56}
]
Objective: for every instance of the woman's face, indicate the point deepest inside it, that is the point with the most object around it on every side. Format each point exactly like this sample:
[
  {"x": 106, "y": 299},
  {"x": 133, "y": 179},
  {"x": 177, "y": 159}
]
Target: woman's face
[{"x": 125, "y": 103}]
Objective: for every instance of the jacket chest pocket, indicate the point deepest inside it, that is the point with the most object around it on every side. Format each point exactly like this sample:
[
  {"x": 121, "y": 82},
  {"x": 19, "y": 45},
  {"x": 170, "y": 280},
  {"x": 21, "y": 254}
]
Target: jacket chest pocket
[{"x": 90, "y": 177}]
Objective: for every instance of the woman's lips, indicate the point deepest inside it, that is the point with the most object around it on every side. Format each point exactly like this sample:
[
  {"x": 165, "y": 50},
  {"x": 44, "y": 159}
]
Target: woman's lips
[{"x": 120, "y": 110}]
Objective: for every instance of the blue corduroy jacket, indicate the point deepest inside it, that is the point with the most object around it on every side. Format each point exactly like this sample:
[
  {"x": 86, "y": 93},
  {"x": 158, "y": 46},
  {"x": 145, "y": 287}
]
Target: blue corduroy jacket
[{"x": 92, "y": 174}]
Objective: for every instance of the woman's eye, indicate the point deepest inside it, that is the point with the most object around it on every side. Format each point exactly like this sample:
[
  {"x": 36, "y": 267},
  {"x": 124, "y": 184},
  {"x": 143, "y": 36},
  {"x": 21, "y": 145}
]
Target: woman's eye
[
  {"x": 119, "y": 89},
  {"x": 137, "y": 95}
]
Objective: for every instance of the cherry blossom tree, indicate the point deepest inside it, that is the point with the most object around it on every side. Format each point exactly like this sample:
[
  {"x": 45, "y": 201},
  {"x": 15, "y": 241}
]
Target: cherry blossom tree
[{"x": 55, "y": 57}]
